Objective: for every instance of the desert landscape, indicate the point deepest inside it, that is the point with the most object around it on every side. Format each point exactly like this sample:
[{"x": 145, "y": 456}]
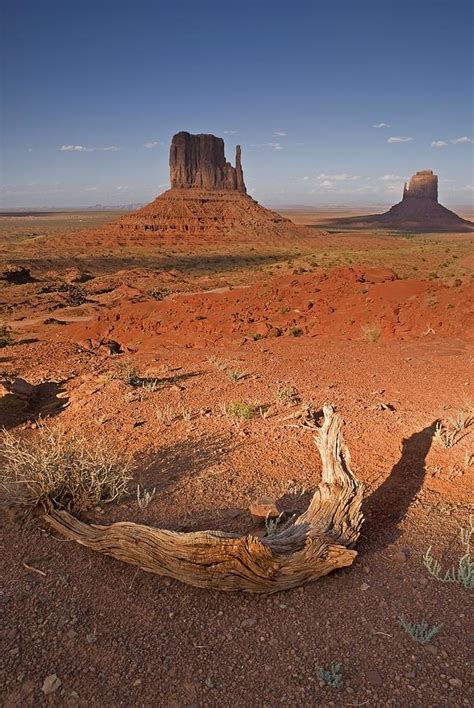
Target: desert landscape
[
  {"x": 200, "y": 337},
  {"x": 236, "y": 355}
]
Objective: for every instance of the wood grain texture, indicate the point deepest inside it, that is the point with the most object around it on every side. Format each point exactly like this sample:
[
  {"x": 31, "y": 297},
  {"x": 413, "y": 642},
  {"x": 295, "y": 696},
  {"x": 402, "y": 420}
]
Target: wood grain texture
[{"x": 319, "y": 541}]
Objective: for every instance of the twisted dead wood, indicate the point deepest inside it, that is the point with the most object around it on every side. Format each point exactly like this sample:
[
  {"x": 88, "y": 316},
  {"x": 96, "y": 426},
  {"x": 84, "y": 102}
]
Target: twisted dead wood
[{"x": 318, "y": 542}]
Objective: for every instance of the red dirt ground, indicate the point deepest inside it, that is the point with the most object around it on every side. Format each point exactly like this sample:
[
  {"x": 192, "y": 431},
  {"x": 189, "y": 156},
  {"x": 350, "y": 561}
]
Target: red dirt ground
[{"x": 389, "y": 346}]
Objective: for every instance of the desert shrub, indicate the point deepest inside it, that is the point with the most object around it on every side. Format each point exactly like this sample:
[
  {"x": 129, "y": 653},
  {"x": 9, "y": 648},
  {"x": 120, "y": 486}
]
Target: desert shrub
[
  {"x": 144, "y": 496},
  {"x": 278, "y": 524},
  {"x": 235, "y": 374},
  {"x": 5, "y": 335},
  {"x": 331, "y": 677},
  {"x": 448, "y": 433},
  {"x": 239, "y": 409},
  {"x": 296, "y": 331},
  {"x": 68, "y": 470},
  {"x": 127, "y": 372},
  {"x": 371, "y": 332},
  {"x": 287, "y": 394},
  {"x": 421, "y": 632},
  {"x": 463, "y": 574}
]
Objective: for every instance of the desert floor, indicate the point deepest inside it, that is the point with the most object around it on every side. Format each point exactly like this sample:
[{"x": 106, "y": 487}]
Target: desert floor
[{"x": 378, "y": 324}]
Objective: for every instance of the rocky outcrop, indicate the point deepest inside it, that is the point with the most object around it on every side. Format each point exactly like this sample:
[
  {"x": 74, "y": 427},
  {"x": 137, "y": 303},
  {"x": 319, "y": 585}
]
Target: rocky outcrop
[
  {"x": 423, "y": 185},
  {"x": 198, "y": 162},
  {"x": 207, "y": 198}
]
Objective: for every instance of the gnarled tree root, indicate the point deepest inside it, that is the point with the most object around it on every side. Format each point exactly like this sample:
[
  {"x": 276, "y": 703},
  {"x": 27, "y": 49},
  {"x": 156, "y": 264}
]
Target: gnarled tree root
[{"x": 319, "y": 541}]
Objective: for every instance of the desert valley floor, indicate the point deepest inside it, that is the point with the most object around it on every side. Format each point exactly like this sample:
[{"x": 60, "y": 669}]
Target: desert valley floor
[{"x": 159, "y": 345}]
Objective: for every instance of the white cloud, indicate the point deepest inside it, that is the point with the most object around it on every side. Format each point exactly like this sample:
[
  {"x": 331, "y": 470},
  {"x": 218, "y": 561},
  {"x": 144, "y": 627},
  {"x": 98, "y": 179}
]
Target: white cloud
[
  {"x": 151, "y": 145},
  {"x": 397, "y": 139},
  {"x": 438, "y": 144},
  {"x": 230, "y": 132},
  {"x": 305, "y": 179},
  {"x": 90, "y": 189},
  {"x": 326, "y": 183},
  {"x": 340, "y": 177},
  {"x": 82, "y": 148},
  {"x": 30, "y": 149},
  {"x": 390, "y": 178},
  {"x": 272, "y": 146},
  {"x": 381, "y": 125},
  {"x": 122, "y": 188},
  {"x": 279, "y": 134},
  {"x": 459, "y": 141}
]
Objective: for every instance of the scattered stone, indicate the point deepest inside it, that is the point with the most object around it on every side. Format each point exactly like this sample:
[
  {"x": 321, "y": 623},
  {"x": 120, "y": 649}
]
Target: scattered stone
[
  {"x": 455, "y": 682},
  {"x": 51, "y": 684},
  {"x": 364, "y": 587},
  {"x": 248, "y": 623}
]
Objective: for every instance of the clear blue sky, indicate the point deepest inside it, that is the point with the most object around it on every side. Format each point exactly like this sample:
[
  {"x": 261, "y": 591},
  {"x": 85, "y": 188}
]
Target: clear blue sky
[{"x": 301, "y": 82}]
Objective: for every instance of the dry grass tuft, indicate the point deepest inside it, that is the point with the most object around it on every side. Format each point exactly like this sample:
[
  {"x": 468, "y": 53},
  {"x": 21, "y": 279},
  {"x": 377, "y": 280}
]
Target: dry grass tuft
[
  {"x": 372, "y": 333},
  {"x": 70, "y": 471},
  {"x": 5, "y": 335}
]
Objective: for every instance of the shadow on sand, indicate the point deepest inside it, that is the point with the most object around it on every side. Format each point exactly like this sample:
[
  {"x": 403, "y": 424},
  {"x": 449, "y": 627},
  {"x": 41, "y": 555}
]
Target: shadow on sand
[
  {"x": 386, "y": 508},
  {"x": 48, "y": 400}
]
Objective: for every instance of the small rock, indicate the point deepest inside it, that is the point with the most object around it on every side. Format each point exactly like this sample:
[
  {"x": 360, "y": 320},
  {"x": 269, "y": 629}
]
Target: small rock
[
  {"x": 51, "y": 684},
  {"x": 262, "y": 509},
  {"x": 374, "y": 678},
  {"x": 71, "y": 633},
  {"x": 400, "y": 556},
  {"x": 248, "y": 623},
  {"x": 455, "y": 682},
  {"x": 364, "y": 587},
  {"x": 91, "y": 638}
]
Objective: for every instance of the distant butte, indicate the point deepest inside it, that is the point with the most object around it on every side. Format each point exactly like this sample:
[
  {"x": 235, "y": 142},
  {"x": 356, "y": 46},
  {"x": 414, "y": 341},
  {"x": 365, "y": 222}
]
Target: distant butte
[
  {"x": 419, "y": 210},
  {"x": 207, "y": 198}
]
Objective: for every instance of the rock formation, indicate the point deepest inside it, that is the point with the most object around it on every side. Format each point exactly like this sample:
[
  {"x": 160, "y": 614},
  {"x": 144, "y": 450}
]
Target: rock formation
[
  {"x": 419, "y": 210},
  {"x": 423, "y": 185},
  {"x": 198, "y": 161},
  {"x": 208, "y": 197}
]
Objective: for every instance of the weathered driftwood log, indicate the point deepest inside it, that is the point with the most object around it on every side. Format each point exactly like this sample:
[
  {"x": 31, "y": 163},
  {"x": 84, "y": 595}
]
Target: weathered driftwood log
[{"x": 318, "y": 542}]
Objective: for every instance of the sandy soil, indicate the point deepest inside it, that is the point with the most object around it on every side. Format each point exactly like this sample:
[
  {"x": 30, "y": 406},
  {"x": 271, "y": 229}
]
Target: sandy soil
[{"x": 378, "y": 325}]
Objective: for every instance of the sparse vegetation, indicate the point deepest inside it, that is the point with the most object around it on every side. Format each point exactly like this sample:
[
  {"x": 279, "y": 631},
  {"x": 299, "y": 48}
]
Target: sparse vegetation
[
  {"x": 165, "y": 414},
  {"x": 235, "y": 375},
  {"x": 331, "y": 677},
  {"x": 463, "y": 574},
  {"x": 144, "y": 496},
  {"x": 70, "y": 471},
  {"x": 422, "y": 632},
  {"x": 447, "y": 433},
  {"x": 5, "y": 335},
  {"x": 278, "y": 524},
  {"x": 287, "y": 394},
  {"x": 371, "y": 332},
  {"x": 224, "y": 366},
  {"x": 239, "y": 409},
  {"x": 296, "y": 332},
  {"x": 126, "y": 371}
]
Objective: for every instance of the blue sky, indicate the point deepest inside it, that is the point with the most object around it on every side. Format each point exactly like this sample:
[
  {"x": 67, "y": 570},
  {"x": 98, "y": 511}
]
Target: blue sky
[{"x": 93, "y": 91}]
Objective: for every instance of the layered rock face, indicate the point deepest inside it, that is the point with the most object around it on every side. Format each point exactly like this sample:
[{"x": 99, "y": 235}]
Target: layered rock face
[
  {"x": 198, "y": 162},
  {"x": 423, "y": 185}
]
